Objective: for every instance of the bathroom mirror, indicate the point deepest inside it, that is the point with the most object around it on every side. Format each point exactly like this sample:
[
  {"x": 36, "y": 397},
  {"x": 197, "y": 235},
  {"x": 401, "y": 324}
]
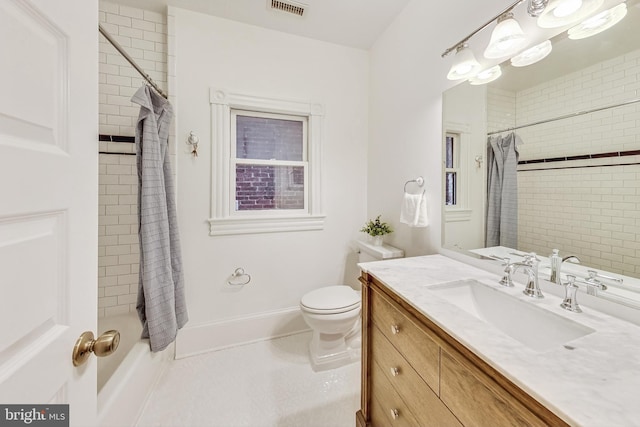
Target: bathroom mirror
[{"x": 577, "y": 116}]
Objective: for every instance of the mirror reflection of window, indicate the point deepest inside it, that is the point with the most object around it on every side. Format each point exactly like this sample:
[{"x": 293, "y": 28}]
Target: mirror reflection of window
[{"x": 452, "y": 168}]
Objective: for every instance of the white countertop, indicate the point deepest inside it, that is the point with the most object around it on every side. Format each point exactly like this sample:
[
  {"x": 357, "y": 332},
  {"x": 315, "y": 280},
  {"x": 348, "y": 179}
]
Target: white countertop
[{"x": 596, "y": 383}]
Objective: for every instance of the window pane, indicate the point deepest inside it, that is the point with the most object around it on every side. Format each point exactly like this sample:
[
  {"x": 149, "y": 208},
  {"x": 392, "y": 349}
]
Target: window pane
[
  {"x": 450, "y": 183},
  {"x": 262, "y": 187},
  {"x": 268, "y": 139},
  {"x": 449, "y": 152}
]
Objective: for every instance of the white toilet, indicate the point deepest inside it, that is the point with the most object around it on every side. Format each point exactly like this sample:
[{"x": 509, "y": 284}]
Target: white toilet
[{"x": 333, "y": 314}]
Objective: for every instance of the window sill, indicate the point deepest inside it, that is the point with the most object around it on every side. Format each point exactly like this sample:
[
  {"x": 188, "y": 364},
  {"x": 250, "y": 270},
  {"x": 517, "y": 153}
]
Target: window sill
[
  {"x": 458, "y": 215},
  {"x": 232, "y": 226}
]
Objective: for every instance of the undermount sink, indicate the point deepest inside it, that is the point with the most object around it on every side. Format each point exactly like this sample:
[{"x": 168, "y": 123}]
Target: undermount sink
[{"x": 532, "y": 326}]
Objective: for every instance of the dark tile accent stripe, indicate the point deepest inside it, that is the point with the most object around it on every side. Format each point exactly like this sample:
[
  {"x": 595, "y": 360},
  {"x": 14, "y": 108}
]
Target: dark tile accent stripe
[
  {"x": 116, "y": 138},
  {"x": 120, "y": 154},
  {"x": 581, "y": 157}
]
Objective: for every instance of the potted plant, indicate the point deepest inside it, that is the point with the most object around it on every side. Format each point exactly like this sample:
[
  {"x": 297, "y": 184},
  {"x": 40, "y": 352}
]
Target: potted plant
[{"x": 376, "y": 229}]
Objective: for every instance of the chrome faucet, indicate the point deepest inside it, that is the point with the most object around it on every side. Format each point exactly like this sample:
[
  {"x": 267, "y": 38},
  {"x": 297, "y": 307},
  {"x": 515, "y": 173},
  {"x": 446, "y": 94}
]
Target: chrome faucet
[
  {"x": 530, "y": 266},
  {"x": 574, "y": 259}
]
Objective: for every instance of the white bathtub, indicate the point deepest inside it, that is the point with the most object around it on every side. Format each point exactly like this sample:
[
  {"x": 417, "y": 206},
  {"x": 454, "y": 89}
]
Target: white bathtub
[{"x": 126, "y": 377}]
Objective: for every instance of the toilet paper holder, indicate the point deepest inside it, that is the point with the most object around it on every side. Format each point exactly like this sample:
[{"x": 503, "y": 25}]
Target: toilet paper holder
[{"x": 239, "y": 277}]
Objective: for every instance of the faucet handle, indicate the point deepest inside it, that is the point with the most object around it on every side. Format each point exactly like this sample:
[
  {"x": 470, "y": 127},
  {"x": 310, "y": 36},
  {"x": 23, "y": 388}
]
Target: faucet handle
[
  {"x": 593, "y": 275},
  {"x": 570, "y": 301}
]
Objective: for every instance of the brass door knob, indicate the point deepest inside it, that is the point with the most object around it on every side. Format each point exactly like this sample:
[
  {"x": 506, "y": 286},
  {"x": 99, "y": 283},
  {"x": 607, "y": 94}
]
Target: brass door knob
[{"x": 105, "y": 345}]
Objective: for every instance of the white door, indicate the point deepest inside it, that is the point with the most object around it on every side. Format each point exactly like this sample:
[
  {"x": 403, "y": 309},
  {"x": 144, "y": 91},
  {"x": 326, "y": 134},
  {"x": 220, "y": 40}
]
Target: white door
[{"x": 48, "y": 201}]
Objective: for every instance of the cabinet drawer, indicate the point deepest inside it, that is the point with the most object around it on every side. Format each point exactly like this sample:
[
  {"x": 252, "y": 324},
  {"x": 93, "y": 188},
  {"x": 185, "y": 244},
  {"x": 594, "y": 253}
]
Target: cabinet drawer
[
  {"x": 475, "y": 404},
  {"x": 408, "y": 338},
  {"x": 388, "y": 408},
  {"x": 425, "y": 405}
]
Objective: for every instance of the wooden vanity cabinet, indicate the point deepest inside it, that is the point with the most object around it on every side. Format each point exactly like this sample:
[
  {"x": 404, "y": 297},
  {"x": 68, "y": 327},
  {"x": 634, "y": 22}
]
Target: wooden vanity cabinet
[{"x": 415, "y": 374}]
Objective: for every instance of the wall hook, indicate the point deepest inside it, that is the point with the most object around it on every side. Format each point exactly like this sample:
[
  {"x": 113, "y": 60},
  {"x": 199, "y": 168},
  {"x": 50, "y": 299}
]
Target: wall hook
[
  {"x": 479, "y": 160},
  {"x": 193, "y": 142}
]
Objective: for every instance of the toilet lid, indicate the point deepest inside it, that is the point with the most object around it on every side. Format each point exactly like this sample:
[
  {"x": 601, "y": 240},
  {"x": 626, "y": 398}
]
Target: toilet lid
[{"x": 331, "y": 299}]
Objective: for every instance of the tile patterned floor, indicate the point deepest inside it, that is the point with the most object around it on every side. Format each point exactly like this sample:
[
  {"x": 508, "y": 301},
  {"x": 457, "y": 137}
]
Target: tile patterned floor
[{"x": 268, "y": 383}]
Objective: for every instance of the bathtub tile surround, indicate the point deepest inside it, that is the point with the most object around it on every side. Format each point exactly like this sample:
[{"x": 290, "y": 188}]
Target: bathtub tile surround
[
  {"x": 269, "y": 383},
  {"x": 118, "y": 250},
  {"x": 142, "y": 34},
  {"x": 590, "y": 382}
]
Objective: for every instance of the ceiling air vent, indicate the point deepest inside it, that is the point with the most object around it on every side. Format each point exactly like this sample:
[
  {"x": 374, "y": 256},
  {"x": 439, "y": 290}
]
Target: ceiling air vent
[{"x": 289, "y": 6}]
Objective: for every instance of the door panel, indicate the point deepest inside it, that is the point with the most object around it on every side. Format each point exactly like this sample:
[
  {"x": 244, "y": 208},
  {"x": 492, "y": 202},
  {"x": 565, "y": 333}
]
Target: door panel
[{"x": 48, "y": 201}]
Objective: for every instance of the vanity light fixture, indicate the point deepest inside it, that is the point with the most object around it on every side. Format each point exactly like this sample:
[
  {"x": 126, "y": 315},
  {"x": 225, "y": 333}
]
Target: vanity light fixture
[
  {"x": 465, "y": 64},
  {"x": 532, "y": 55},
  {"x": 507, "y": 38},
  {"x": 598, "y": 23},
  {"x": 486, "y": 76},
  {"x": 564, "y": 12}
]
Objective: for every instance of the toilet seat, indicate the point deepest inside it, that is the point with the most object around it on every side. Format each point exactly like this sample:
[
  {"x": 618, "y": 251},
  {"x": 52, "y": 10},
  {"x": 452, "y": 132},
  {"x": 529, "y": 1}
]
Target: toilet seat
[{"x": 331, "y": 300}]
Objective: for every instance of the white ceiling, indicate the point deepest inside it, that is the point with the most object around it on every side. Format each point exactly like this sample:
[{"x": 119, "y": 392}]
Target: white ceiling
[{"x": 355, "y": 23}]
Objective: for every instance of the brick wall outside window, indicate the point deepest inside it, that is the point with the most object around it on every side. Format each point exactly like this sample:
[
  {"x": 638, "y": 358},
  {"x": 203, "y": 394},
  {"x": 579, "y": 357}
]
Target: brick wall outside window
[{"x": 269, "y": 186}]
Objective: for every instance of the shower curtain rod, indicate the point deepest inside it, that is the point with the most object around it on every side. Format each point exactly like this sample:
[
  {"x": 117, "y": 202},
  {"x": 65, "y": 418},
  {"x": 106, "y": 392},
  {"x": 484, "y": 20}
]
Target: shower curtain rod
[
  {"x": 131, "y": 61},
  {"x": 566, "y": 116}
]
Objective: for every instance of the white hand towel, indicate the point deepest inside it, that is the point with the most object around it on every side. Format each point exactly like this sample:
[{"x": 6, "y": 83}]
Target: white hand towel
[{"x": 414, "y": 210}]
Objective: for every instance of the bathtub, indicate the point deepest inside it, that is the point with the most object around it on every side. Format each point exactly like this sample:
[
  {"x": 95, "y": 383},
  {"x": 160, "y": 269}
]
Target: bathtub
[{"x": 126, "y": 377}]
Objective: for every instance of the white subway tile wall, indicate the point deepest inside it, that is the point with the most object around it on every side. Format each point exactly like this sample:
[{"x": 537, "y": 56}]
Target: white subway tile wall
[
  {"x": 143, "y": 35},
  {"x": 591, "y": 211}
]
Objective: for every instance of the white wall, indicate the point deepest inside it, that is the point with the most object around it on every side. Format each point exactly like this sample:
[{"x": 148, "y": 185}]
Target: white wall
[
  {"x": 407, "y": 80},
  {"x": 214, "y": 52}
]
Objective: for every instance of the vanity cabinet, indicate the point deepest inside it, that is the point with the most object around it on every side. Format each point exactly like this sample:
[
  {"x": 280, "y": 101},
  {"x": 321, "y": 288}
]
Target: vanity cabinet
[{"x": 415, "y": 374}]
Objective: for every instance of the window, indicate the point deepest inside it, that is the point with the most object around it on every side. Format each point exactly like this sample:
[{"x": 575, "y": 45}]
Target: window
[
  {"x": 457, "y": 172},
  {"x": 452, "y": 168},
  {"x": 269, "y": 157},
  {"x": 266, "y": 159}
]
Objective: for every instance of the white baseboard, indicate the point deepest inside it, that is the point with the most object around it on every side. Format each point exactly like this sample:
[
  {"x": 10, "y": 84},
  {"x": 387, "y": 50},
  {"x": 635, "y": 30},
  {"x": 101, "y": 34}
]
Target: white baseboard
[{"x": 237, "y": 331}]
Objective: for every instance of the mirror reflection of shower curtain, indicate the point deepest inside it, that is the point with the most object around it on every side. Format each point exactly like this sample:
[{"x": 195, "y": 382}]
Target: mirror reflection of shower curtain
[{"x": 502, "y": 191}]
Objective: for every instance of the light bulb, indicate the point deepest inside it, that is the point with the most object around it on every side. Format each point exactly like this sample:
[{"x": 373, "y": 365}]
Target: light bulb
[
  {"x": 532, "y": 55},
  {"x": 598, "y": 23},
  {"x": 566, "y": 8},
  {"x": 486, "y": 76}
]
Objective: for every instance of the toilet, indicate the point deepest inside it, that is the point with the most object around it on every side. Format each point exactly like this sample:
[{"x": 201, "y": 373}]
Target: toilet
[{"x": 333, "y": 314}]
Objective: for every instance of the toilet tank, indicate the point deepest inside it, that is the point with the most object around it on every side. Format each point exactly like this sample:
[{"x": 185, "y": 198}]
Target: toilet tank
[{"x": 369, "y": 252}]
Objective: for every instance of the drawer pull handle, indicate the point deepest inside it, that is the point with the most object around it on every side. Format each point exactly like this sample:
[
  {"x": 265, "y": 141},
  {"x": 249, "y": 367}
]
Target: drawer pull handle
[
  {"x": 395, "y": 414},
  {"x": 395, "y": 329},
  {"x": 395, "y": 372}
]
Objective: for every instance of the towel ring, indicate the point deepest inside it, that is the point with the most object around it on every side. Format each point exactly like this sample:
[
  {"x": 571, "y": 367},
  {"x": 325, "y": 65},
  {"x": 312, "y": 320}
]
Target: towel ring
[
  {"x": 238, "y": 273},
  {"x": 419, "y": 180}
]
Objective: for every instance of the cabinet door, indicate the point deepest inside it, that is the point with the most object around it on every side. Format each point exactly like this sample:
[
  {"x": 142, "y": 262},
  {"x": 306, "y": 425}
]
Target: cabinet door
[{"x": 475, "y": 404}]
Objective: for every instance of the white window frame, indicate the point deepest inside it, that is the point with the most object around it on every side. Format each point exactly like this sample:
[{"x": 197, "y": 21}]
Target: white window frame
[
  {"x": 234, "y": 160},
  {"x": 460, "y": 211},
  {"x": 224, "y": 219}
]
